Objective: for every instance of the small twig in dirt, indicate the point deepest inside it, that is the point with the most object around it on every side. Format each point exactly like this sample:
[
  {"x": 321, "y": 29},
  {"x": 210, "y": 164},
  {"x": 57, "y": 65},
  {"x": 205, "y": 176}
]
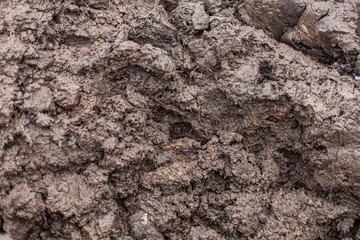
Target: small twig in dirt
[{"x": 78, "y": 42}]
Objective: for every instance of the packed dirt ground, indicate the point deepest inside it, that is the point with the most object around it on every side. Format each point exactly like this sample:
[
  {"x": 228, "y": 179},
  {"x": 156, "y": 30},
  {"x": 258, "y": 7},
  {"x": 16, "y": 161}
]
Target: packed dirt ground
[{"x": 180, "y": 119}]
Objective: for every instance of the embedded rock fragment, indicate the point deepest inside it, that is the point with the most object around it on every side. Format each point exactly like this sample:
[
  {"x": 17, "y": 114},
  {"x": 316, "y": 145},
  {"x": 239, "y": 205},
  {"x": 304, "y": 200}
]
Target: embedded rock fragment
[
  {"x": 142, "y": 226},
  {"x": 38, "y": 98},
  {"x": 192, "y": 13},
  {"x": 67, "y": 92},
  {"x": 327, "y": 25},
  {"x": 200, "y": 18}
]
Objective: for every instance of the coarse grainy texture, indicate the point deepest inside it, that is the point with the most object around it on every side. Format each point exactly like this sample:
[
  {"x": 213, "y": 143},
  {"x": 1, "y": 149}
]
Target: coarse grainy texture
[{"x": 179, "y": 119}]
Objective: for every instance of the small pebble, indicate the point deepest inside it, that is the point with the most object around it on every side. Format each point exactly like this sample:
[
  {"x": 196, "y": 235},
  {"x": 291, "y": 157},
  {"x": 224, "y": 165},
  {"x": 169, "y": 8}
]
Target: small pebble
[
  {"x": 200, "y": 18},
  {"x": 357, "y": 77}
]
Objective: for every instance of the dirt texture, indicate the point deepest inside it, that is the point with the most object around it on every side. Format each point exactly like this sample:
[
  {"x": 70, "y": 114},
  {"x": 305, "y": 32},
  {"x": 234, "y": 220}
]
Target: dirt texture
[{"x": 179, "y": 119}]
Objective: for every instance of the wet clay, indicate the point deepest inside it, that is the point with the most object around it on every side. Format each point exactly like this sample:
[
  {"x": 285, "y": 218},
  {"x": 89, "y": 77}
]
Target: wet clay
[{"x": 179, "y": 119}]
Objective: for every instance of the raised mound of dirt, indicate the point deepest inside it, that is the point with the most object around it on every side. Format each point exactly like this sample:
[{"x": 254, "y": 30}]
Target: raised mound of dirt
[{"x": 180, "y": 119}]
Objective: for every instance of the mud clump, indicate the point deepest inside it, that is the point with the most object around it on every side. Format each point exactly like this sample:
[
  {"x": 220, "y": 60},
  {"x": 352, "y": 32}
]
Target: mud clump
[
  {"x": 181, "y": 119},
  {"x": 325, "y": 30}
]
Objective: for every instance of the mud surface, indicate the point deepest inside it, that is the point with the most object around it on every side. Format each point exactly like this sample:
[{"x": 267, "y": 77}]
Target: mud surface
[{"x": 204, "y": 119}]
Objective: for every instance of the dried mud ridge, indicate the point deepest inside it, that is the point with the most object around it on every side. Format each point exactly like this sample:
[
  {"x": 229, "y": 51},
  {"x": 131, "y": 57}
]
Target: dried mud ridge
[{"x": 202, "y": 119}]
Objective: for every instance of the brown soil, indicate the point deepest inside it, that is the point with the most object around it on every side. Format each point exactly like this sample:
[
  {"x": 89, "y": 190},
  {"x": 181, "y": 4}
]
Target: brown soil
[{"x": 186, "y": 119}]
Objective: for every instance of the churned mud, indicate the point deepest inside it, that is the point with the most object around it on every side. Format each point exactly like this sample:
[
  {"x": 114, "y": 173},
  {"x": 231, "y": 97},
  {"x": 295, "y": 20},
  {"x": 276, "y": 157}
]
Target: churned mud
[{"x": 179, "y": 119}]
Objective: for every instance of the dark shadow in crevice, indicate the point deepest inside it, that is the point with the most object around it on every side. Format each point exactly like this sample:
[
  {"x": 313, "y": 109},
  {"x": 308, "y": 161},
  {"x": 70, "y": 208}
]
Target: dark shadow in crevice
[
  {"x": 266, "y": 71},
  {"x": 1, "y": 225},
  {"x": 355, "y": 229},
  {"x": 185, "y": 129},
  {"x": 169, "y": 5},
  {"x": 18, "y": 140},
  {"x": 343, "y": 63}
]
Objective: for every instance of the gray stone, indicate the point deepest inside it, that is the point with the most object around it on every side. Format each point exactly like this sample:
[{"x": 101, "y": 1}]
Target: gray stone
[{"x": 38, "y": 98}]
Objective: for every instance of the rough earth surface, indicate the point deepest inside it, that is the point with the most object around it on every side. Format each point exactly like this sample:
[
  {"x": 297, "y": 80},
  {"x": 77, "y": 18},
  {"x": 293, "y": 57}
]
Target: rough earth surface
[{"x": 179, "y": 119}]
